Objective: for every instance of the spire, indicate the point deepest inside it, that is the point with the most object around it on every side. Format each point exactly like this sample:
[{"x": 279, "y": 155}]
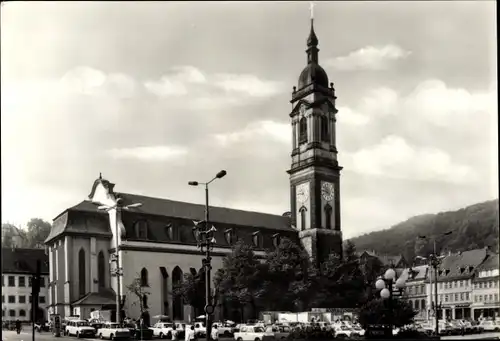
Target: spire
[{"x": 312, "y": 40}]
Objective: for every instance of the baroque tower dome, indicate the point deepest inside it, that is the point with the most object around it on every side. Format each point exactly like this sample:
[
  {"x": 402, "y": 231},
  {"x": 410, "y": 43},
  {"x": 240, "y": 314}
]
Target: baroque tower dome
[{"x": 313, "y": 72}]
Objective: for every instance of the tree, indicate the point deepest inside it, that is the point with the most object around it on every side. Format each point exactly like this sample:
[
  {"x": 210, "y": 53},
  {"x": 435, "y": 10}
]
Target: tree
[
  {"x": 37, "y": 231},
  {"x": 239, "y": 280},
  {"x": 371, "y": 268},
  {"x": 192, "y": 290},
  {"x": 289, "y": 272},
  {"x": 141, "y": 296},
  {"x": 340, "y": 281},
  {"x": 380, "y": 311},
  {"x": 33, "y": 236}
]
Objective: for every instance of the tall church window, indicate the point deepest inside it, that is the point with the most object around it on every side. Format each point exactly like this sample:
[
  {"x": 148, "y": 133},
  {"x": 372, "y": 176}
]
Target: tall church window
[
  {"x": 325, "y": 133},
  {"x": 177, "y": 304},
  {"x": 302, "y": 218},
  {"x": 328, "y": 216},
  {"x": 101, "y": 270},
  {"x": 144, "y": 277},
  {"x": 303, "y": 130},
  {"x": 145, "y": 301},
  {"x": 81, "y": 272}
]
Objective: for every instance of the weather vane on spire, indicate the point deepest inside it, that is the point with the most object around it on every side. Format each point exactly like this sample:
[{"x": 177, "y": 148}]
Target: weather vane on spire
[{"x": 311, "y": 8}]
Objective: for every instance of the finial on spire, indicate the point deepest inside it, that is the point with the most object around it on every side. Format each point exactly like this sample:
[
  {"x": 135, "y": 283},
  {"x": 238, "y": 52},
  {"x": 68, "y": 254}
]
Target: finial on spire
[
  {"x": 311, "y": 8},
  {"x": 100, "y": 176}
]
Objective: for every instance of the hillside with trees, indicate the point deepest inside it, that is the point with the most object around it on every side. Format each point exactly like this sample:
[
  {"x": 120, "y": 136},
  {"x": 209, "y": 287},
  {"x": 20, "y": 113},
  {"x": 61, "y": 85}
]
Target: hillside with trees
[{"x": 472, "y": 227}]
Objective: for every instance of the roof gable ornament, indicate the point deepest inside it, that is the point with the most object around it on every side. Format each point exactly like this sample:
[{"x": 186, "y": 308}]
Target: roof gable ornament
[{"x": 102, "y": 192}]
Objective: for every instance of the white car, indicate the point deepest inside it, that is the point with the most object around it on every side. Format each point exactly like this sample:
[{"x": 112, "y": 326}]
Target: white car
[
  {"x": 251, "y": 333},
  {"x": 113, "y": 331},
  {"x": 224, "y": 330},
  {"x": 490, "y": 326},
  {"x": 79, "y": 328},
  {"x": 345, "y": 332},
  {"x": 163, "y": 330}
]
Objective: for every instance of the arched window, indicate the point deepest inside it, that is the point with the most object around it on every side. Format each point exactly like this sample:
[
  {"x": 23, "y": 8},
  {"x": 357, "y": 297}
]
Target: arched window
[
  {"x": 177, "y": 304},
  {"x": 144, "y": 277},
  {"x": 328, "y": 216},
  {"x": 302, "y": 218},
  {"x": 22, "y": 312},
  {"x": 422, "y": 304},
  {"x": 303, "y": 130},
  {"x": 141, "y": 229},
  {"x": 257, "y": 239},
  {"x": 325, "y": 132},
  {"x": 81, "y": 273},
  {"x": 145, "y": 301},
  {"x": 101, "y": 270},
  {"x": 417, "y": 305}
]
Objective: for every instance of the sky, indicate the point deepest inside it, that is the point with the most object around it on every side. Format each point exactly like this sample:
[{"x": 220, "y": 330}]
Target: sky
[{"x": 156, "y": 94}]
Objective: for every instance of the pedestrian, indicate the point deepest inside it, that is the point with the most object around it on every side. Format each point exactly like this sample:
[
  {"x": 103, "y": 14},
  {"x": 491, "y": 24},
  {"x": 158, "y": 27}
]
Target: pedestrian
[
  {"x": 18, "y": 326},
  {"x": 215, "y": 333},
  {"x": 174, "y": 333}
]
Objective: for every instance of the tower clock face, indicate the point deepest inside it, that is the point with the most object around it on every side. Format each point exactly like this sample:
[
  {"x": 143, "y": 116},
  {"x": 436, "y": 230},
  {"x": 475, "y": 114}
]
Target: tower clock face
[
  {"x": 327, "y": 191},
  {"x": 302, "y": 193}
]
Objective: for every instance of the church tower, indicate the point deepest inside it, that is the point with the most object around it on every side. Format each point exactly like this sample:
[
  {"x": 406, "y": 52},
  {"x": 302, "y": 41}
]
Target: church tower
[{"x": 315, "y": 172}]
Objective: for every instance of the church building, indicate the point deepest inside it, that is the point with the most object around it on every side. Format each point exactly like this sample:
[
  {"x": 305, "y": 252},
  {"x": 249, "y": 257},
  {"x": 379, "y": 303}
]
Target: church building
[{"x": 156, "y": 242}]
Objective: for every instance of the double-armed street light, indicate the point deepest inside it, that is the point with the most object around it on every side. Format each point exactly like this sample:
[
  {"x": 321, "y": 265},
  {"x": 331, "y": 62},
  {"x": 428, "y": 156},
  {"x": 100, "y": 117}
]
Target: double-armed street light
[
  {"x": 434, "y": 261},
  {"x": 206, "y": 241},
  {"x": 118, "y": 270},
  {"x": 386, "y": 286}
]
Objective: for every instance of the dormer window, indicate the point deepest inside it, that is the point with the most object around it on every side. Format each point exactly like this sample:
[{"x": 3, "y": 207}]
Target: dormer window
[
  {"x": 471, "y": 268},
  {"x": 141, "y": 229},
  {"x": 276, "y": 239},
  {"x": 257, "y": 239},
  {"x": 462, "y": 270},
  {"x": 302, "y": 130},
  {"x": 169, "y": 231},
  {"x": 230, "y": 236}
]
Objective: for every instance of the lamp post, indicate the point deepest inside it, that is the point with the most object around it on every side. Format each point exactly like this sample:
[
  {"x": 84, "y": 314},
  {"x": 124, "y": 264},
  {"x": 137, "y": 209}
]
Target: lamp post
[
  {"x": 385, "y": 285},
  {"x": 434, "y": 261},
  {"x": 206, "y": 241},
  {"x": 118, "y": 270}
]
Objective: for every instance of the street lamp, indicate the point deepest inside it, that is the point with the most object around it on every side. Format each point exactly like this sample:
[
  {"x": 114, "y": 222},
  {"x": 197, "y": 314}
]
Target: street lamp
[
  {"x": 206, "y": 242},
  {"x": 385, "y": 285},
  {"x": 118, "y": 270},
  {"x": 434, "y": 261}
]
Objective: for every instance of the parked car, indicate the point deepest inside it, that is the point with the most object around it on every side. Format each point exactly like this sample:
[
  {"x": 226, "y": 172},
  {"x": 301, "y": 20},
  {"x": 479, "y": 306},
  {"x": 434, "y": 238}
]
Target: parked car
[
  {"x": 163, "y": 330},
  {"x": 490, "y": 326},
  {"x": 282, "y": 332},
  {"x": 113, "y": 331},
  {"x": 251, "y": 333},
  {"x": 225, "y": 330},
  {"x": 79, "y": 328}
]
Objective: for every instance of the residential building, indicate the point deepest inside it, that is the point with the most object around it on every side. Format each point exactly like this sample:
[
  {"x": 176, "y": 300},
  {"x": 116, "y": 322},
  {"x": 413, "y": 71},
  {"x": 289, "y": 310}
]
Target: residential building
[
  {"x": 416, "y": 291},
  {"x": 156, "y": 241},
  {"x": 455, "y": 275},
  {"x": 486, "y": 289},
  {"x": 395, "y": 261},
  {"x": 18, "y": 265}
]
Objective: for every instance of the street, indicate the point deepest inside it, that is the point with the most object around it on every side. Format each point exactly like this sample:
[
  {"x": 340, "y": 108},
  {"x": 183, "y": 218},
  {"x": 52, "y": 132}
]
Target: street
[{"x": 26, "y": 336}]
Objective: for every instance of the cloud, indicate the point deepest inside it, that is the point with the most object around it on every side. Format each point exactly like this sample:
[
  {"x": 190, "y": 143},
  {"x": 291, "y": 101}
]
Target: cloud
[
  {"x": 369, "y": 58},
  {"x": 212, "y": 90},
  {"x": 394, "y": 157},
  {"x": 150, "y": 153},
  {"x": 350, "y": 117},
  {"x": 279, "y": 132},
  {"x": 88, "y": 81},
  {"x": 248, "y": 84}
]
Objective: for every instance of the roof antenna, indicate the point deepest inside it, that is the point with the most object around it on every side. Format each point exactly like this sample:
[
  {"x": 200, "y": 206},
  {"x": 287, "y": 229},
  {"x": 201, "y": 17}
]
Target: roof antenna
[{"x": 100, "y": 176}]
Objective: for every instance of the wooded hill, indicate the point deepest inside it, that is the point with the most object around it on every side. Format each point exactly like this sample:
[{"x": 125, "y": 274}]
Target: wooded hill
[{"x": 473, "y": 227}]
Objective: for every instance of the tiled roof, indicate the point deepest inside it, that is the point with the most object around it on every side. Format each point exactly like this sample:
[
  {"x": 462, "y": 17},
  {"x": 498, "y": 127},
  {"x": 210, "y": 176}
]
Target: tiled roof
[
  {"x": 461, "y": 265},
  {"x": 491, "y": 262},
  {"x": 165, "y": 208},
  {"x": 24, "y": 260},
  {"x": 419, "y": 273}
]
